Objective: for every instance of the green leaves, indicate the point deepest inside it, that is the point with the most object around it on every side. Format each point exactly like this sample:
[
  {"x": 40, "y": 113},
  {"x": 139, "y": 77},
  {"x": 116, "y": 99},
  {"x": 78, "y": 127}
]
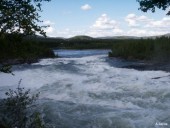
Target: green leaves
[
  {"x": 21, "y": 16},
  {"x": 18, "y": 109},
  {"x": 146, "y": 5}
]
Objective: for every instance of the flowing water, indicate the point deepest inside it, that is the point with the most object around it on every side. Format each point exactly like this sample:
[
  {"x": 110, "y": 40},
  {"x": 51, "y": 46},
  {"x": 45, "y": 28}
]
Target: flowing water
[{"x": 86, "y": 89}]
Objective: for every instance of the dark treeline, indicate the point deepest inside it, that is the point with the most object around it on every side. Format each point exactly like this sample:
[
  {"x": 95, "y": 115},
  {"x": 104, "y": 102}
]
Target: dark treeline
[
  {"x": 137, "y": 48},
  {"x": 31, "y": 48},
  {"x": 151, "y": 49},
  {"x": 155, "y": 50},
  {"x": 88, "y": 44},
  {"x": 16, "y": 52},
  {"x": 78, "y": 42}
]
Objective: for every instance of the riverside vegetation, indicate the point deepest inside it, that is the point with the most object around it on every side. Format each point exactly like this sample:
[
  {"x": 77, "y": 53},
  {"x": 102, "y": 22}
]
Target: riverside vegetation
[
  {"x": 31, "y": 49},
  {"x": 18, "y": 110},
  {"x": 154, "y": 50},
  {"x": 17, "y": 52}
]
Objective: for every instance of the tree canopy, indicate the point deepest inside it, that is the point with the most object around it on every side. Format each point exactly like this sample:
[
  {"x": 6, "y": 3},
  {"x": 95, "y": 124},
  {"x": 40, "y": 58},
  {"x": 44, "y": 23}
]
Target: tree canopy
[
  {"x": 151, "y": 5},
  {"x": 21, "y": 17}
]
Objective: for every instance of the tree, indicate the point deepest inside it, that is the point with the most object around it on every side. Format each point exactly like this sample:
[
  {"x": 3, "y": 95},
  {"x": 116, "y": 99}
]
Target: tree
[
  {"x": 151, "y": 5},
  {"x": 20, "y": 17}
]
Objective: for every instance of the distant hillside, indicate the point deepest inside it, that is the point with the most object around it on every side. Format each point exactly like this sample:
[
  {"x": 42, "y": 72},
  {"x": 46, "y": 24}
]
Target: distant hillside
[
  {"x": 85, "y": 42},
  {"x": 167, "y": 35},
  {"x": 119, "y": 37},
  {"x": 135, "y": 37},
  {"x": 84, "y": 37},
  {"x": 81, "y": 37}
]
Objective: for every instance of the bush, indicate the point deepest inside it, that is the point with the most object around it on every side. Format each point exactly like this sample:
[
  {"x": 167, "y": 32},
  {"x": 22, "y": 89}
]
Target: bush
[{"x": 17, "y": 110}]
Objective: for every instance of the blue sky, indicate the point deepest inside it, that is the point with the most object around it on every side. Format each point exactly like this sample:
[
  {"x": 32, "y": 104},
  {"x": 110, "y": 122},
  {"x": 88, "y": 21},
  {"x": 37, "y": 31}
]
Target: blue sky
[{"x": 99, "y": 18}]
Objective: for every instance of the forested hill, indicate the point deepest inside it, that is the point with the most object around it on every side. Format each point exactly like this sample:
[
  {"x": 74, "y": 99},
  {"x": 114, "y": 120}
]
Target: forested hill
[{"x": 84, "y": 42}]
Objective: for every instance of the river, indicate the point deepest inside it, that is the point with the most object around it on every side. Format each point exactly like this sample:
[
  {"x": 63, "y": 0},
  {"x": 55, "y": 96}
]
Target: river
[{"x": 86, "y": 89}]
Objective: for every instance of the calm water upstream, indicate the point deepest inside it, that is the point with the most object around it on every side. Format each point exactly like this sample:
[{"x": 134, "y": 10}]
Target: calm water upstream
[{"x": 86, "y": 89}]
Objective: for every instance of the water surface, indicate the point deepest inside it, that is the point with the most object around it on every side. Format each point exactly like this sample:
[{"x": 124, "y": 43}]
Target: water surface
[{"x": 86, "y": 89}]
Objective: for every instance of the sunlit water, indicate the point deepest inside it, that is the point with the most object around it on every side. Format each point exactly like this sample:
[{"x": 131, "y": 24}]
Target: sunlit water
[{"x": 86, "y": 89}]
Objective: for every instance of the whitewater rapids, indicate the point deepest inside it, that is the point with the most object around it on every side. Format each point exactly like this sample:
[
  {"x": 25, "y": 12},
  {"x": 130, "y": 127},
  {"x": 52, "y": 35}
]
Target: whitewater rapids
[{"x": 89, "y": 90}]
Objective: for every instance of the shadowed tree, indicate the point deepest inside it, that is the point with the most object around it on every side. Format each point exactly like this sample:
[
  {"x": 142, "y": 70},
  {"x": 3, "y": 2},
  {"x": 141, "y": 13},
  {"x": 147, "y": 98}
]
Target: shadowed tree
[
  {"x": 151, "y": 5},
  {"x": 20, "y": 17}
]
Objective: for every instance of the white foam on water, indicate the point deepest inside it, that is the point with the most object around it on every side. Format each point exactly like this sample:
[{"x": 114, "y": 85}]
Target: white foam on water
[{"x": 91, "y": 80}]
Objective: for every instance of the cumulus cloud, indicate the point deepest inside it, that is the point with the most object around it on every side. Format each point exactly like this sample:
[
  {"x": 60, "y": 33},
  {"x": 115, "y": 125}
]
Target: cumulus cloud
[
  {"x": 137, "y": 26},
  {"x": 131, "y": 19},
  {"x": 104, "y": 22},
  {"x": 132, "y": 25},
  {"x": 86, "y": 7},
  {"x": 136, "y": 21},
  {"x": 145, "y": 26},
  {"x": 104, "y": 26},
  {"x": 163, "y": 24}
]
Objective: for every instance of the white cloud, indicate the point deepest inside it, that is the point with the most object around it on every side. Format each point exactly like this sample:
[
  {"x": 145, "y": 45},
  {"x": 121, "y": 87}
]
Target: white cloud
[
  {"x": 104, "y": 26},
  {"x": 137, "y": 32},
  {"x": 69, "y": 33},
  {"x": 86, "y": 7},
  {"x": 137, "y": 26},
  {"x": 104, "y": 22},
  {"x": 143, "y": 18},
  {"x": 133, "y": 25},
  {"x": 144, "y": 26},
  {"x": 131, "y": 19},
  {"x": 144, "y": 32},
  {"x": 49, "y": 30},
  {"x": 100, "y": 33},
  {"x": 163, "y": 24},
  {"x": 48, "y": 22},
  {"x": 136, "y": 21}
]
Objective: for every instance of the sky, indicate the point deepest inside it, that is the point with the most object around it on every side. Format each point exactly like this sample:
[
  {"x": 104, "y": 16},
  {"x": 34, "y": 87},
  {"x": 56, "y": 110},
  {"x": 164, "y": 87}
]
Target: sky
[{"x": 102, "y": 18}]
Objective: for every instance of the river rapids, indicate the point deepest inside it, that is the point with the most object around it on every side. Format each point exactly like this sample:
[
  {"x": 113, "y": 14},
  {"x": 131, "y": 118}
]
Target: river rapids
[{"x": 86, "y": 89}]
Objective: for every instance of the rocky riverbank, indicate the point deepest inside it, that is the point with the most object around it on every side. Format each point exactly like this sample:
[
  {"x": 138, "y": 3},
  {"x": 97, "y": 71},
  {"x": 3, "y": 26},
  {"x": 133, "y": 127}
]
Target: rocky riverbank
[
  {"x": 18, "y": 61},
  {"x": 150, "y": 66}
]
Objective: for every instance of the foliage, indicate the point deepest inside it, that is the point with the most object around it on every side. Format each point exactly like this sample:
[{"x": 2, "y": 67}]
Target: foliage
[
  {"x": 20, "y": 16},
  {"x": 23, "y": 52},
  {"x": 146, "y": 5},
  {"x": 157, "y": 50},
  {"x": 5, "y": 69},
  {"x": 78, "y": 42},
  {"x": 17, "y": 110}
]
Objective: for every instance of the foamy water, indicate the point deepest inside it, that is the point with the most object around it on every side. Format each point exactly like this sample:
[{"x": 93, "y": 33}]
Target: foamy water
[{"x": 88, "y": 92}]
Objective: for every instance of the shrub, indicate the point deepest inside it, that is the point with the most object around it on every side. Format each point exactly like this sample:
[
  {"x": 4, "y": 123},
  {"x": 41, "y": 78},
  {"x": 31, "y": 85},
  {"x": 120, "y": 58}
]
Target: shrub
[{"x": 17, "y": 110}]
